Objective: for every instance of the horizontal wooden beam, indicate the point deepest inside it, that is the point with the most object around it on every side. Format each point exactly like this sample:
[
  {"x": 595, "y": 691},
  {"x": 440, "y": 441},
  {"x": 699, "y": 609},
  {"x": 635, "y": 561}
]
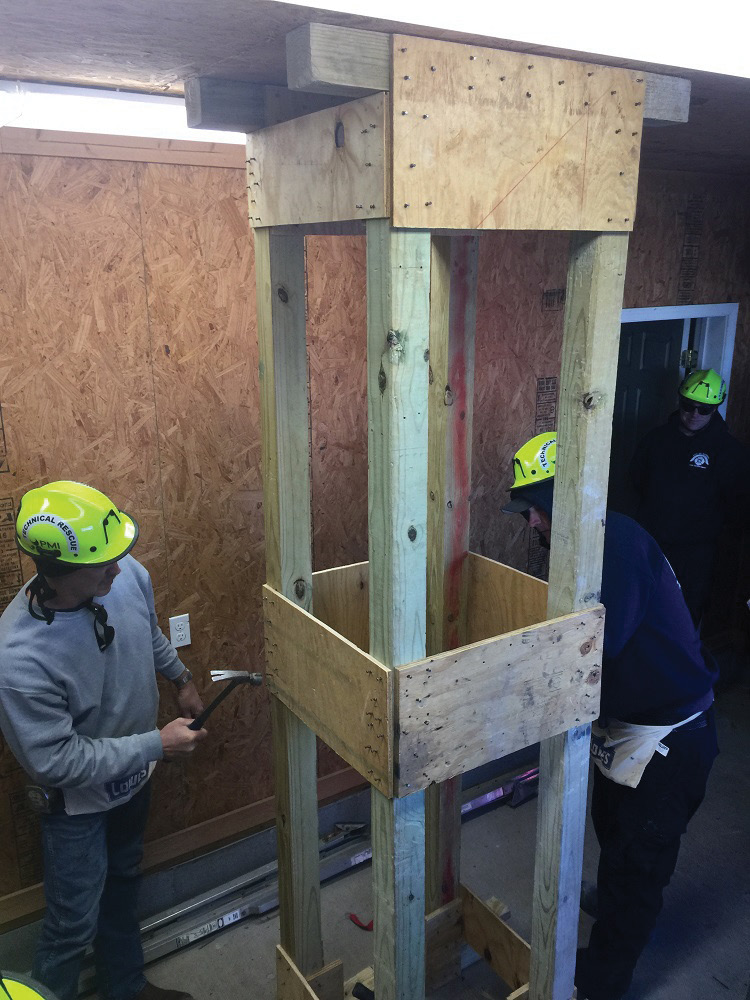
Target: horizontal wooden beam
[
  {"x": 667, "y": 99},
  {"x": 494, "y": 940},
  {"x": 328, "y": 59},
  {"x": 466, "y": 707},
  {"x": 241, "y": 106},
  {"x": 337, "y": 690}
]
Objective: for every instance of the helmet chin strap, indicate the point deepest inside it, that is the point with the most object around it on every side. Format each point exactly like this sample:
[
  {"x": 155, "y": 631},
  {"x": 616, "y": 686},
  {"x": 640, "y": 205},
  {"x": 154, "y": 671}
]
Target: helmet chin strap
[{"x": 41, "y": 591}]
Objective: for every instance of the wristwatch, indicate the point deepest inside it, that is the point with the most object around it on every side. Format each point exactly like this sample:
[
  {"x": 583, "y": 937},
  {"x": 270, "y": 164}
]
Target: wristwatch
[{"x": 184, "y": 678}]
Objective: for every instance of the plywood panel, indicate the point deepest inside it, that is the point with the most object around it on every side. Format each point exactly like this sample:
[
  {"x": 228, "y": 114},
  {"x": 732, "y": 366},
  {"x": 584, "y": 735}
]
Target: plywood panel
[
  {"x": 330, "y": 166},
  {"x": 487, "y": 139},
  {"x": 502, "y": 599},
  {"x": 466, "y": 707},
  {"x": 341, "y": 600},
  {"x": 333, "y": 687}
]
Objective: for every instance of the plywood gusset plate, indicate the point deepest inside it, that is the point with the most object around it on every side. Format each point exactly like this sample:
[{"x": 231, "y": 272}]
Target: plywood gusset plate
[
  {"x": 337, "y": 690},
  {"x": 489, "y": 139},
  {"x": 472, "y": 705},
  {"x": 329, "y": 166}
]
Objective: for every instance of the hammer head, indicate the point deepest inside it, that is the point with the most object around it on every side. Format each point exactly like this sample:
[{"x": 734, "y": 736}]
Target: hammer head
[{"x": 240, "y": 676}]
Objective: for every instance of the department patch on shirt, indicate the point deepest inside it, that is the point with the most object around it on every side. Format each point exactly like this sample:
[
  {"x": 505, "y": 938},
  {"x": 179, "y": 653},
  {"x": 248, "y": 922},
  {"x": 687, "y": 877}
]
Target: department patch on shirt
[
  {"x": 124, "y": 786},
  {"x": 699, "y": 460}
]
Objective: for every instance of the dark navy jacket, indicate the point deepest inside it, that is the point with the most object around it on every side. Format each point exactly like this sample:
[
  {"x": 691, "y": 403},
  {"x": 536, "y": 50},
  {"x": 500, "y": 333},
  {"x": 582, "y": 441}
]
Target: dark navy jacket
[{"x": 653, "y": 671}]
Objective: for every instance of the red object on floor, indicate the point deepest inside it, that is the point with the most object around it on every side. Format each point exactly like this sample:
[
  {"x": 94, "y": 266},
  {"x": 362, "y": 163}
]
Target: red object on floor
[{"x": 355, "y": 920}]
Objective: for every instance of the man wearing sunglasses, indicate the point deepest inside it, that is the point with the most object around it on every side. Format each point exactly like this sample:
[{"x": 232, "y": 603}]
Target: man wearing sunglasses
[
  {"x": 80, "y": 647},
  {"x": 691, "y": 478}
]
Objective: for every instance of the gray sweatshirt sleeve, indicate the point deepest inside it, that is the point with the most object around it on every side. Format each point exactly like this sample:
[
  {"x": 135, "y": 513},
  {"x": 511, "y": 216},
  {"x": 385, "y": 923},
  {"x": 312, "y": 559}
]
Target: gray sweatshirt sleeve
[{"x": 40, "y": 733}]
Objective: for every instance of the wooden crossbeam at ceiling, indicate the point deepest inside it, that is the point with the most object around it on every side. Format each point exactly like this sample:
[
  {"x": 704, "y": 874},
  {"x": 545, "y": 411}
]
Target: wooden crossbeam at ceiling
[{"x": 326, "y": 65}]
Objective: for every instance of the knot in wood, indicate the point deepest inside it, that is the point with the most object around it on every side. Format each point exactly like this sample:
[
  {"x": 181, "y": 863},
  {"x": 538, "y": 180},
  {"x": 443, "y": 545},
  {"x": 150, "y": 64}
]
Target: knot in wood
[
  {"x": 591, "y": 400},
  {"x": 586, "y": 647},
  {"x": 300, "y": 589},
  {"x": 339, "y": 135},
  {"x": 412, "y": 533},
  {"x": 382, "y": 381},
  {"x": 448, "y": 399},
  {"x": 282, "y": 293}
]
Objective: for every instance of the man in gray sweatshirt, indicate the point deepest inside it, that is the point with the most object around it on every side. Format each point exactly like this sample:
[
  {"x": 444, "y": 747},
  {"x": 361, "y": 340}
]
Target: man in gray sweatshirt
[{"x": 80, "y": 647}]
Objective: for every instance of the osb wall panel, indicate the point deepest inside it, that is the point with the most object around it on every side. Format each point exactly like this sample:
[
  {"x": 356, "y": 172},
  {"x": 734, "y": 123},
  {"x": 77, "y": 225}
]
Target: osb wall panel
[{"x": 75, "y": 383}]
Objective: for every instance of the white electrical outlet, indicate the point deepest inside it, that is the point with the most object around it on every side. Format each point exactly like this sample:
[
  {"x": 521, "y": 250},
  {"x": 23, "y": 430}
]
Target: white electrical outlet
[{"x": 179, "y": 630}]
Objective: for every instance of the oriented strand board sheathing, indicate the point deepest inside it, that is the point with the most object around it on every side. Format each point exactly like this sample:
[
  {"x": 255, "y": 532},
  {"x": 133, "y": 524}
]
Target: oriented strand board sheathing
[
  {"x": 490, "y": 139},
  {"x": 205, "y": 371},
  {"x": 337, "y": 347}
]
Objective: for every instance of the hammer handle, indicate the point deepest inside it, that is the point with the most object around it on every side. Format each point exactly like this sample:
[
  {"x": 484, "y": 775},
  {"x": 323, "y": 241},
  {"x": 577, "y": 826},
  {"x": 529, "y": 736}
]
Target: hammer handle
[{"x": 198, "y": 723}]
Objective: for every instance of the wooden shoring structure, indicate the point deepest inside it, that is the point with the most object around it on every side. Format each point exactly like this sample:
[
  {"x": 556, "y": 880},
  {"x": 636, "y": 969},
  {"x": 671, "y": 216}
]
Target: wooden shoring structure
[{"x": 429, "y": 660}]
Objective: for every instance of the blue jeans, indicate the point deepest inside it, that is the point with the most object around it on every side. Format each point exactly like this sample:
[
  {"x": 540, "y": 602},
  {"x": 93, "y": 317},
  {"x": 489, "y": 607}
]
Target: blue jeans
[{"x": 91, "y": 886}]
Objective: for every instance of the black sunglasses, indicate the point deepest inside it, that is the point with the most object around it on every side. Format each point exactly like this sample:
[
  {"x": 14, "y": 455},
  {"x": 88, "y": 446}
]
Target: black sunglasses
[{"x": 702, "y": 408}]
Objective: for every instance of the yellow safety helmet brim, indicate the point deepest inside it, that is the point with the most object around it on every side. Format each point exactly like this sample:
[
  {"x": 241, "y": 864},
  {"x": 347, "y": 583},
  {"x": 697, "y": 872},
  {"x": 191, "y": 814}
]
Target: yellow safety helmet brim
[
  {"x": 19, "y": 988},
  {"x": 74, "y": 524}
]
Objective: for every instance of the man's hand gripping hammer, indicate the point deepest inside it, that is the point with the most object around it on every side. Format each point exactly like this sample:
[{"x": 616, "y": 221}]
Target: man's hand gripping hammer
[{"x": 234, "y": 677}]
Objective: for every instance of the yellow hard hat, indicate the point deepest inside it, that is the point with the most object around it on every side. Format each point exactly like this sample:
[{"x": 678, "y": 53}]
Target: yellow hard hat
[
  {"x": 73, "y": 524},
  {"x": 704, "y": 386},
  {"x": 535, "y": 461},
  {"x": 21, "y": 988}
]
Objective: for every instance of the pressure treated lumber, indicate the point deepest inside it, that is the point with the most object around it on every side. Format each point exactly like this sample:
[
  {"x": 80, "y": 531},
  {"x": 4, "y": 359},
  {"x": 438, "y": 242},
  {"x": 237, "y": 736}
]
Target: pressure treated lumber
[
  {"x": 241, "y": 106},
  {"x": 280, "y": 280},
  {"x": 330, "y": 166},
  {"x": 492, "y": 938},
  {"x": 472, "y": 705},
  {"x": 590, "y": 343},
  {"x": 453, "y": 290},
  {"x": 343, "y": 694},
  {"x": 398, "y": 282},
  {"x": 487, "y": 139},
  {"x": 333, "y": 60}
]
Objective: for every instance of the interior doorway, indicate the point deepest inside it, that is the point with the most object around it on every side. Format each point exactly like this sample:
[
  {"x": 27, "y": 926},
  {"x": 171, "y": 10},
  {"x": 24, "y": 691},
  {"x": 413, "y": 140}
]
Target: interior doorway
[{"x": 657, "y": 347}]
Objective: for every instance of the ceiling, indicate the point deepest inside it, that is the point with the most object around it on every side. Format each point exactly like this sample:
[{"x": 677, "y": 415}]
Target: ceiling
[{"x": 155, "y": 46}]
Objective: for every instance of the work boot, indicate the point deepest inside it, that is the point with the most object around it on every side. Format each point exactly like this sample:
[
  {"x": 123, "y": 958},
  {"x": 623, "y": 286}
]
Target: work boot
[{"x": 151, "y": 992}]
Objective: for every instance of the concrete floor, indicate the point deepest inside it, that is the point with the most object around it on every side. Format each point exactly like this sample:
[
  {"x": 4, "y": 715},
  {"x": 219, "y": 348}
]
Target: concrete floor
[{"x": 700, "y": 951}]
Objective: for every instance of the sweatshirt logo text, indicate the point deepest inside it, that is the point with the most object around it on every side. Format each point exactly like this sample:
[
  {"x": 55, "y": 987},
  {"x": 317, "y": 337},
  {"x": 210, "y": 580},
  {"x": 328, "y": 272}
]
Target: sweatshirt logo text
[{"x": 121, "y": 787}]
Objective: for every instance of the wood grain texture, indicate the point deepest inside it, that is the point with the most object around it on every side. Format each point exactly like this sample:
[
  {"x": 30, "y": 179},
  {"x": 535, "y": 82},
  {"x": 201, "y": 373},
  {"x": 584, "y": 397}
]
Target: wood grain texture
[
  {"x": 502, "y": 599},
  {"x": 443, "y": 937},
  {"x": 469, "y": 706},
  {"x": 329, "y": 166},
  {"x": 485, "y": 139},
  {"x": 82, "y": 145},
  {"x": 290, "y": 982},
  {"x": 328, "y": 59},
  {"x": 398, "y": 283},
  {"x": 328, "y": 983},
  {"x": 280, "y": 282},
  {"x": 342, "y": 601},
  {"x": 492, "y": 938},
  {"x": 335, "y": 688},
  {"x": 596, "y": 276}
]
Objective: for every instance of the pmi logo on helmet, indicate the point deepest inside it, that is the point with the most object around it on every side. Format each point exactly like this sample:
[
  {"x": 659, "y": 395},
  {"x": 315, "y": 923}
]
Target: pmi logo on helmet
[{"x": 46, "y": 544}]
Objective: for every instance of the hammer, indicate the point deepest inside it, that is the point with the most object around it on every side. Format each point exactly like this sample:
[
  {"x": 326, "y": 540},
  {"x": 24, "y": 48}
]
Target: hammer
[{"x": 234, "y": 677}]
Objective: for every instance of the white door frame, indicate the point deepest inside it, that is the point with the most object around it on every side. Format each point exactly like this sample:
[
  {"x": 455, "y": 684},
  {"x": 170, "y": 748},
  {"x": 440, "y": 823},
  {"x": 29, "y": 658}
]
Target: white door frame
[{"x": 715, "y": 332}]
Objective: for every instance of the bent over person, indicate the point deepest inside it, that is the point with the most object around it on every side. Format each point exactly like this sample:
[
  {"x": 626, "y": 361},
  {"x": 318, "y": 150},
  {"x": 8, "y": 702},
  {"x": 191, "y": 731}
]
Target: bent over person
[
  {"x": 79, "y": 650},
  {"x": 655, "y": 740}
]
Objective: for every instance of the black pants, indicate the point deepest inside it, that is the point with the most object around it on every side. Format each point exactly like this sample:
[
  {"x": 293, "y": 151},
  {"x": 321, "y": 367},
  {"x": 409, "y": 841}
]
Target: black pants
[{"x": 639, "y": 831}]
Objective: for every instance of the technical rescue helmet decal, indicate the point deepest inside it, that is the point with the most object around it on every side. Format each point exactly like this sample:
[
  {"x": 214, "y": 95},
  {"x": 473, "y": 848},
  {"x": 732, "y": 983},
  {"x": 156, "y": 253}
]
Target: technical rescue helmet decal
[
  {"x": 73, "y": 524},
  {"x": 705, "y": 386},
  {"x": 534, "y": 461}
]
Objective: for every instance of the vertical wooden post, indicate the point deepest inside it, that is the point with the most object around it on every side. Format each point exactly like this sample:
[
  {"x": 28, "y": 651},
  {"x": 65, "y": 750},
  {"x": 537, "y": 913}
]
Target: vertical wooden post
[
  {"x": 453, "y": 284},
  {"x": 398, "y": 275},
  {"x": 280, "y": 279},
  {"x": 596, "y": 275}
]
